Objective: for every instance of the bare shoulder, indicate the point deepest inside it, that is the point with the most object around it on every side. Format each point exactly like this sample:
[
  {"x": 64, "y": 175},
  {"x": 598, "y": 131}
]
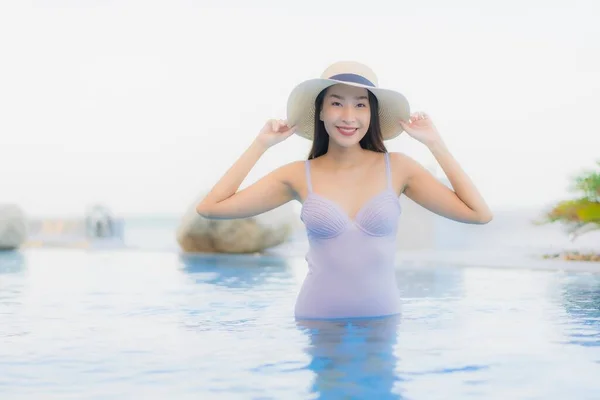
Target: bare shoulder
[
  {"x": 401, "y": 161},
  {"x": 290, "y": 171}
]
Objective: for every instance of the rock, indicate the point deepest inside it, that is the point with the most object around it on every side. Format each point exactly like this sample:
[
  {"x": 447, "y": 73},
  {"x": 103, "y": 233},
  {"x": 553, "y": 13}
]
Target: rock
[
  {"x": 13, "y": 227},
  {"x": 574, "y": 256},
  {"x": 577, "y": 256},
  {"x": 196, "y": 234}
]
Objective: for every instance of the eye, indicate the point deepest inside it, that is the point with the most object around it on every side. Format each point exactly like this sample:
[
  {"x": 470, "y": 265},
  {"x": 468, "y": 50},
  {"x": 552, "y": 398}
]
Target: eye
[
  {"x": 362, "y": 105},
  {"x": 336, "y": 103}
]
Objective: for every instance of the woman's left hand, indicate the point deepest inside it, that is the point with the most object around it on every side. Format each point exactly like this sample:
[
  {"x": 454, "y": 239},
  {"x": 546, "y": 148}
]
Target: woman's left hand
[{"x": 421, "y": 127}]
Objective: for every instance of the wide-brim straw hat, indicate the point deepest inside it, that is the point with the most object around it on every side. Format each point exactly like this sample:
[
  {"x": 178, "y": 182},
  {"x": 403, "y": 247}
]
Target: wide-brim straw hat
[{"x": 393, "y": 106}]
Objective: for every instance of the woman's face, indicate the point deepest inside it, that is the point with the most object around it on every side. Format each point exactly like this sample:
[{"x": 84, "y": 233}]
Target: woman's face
[{"x": 346, "y": 114}]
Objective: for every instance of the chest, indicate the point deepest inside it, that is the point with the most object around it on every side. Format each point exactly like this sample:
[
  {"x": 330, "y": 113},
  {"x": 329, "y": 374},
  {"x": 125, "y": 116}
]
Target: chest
[
  {"x": 327, "y": 218},
  {"x": 349, "y": 191}
]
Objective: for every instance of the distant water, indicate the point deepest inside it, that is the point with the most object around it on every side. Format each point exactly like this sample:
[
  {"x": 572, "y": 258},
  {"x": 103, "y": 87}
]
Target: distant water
[
  {"x": 151, "y": 233},
  {"x": 157, "y": 325},
  {"x": 511, "y": 230}
]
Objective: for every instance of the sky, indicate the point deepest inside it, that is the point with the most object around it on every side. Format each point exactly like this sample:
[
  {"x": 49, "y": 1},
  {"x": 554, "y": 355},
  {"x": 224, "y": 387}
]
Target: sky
[{"x": 143, "y": 105}]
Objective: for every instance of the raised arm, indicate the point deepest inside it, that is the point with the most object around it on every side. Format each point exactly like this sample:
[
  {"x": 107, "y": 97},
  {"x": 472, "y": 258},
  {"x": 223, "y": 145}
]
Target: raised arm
[
  {"x": 462, "y": 203},
  {"x": 225, "y": 202}
]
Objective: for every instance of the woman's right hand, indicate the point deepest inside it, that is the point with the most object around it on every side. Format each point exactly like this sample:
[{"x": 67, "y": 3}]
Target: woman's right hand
[{"x": 274, "y": 131}]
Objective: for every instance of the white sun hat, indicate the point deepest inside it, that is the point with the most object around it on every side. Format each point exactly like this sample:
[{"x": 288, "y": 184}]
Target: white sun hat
[{"x": 393, "y": 106}]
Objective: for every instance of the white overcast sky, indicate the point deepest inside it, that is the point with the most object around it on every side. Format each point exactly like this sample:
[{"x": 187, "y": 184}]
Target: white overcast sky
[{"x": 142, "y": 105}]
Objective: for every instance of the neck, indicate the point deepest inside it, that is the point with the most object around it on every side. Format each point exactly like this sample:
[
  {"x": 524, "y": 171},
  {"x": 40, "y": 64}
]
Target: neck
[{"x": 344, "y": 157}]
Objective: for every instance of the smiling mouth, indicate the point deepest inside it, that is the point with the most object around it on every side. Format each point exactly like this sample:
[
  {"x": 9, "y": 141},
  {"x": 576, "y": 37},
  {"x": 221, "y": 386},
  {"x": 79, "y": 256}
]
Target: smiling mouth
[{"x": 346, "y": 131}]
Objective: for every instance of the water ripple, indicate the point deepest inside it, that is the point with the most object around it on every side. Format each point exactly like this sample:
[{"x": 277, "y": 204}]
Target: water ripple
[{"x": 120, "y": 325}]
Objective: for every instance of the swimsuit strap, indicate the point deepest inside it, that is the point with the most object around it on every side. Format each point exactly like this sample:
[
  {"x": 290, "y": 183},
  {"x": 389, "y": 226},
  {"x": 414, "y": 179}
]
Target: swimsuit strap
[
  {"x": 308, "y": 181},
  {"x": 388, "y": 172}
]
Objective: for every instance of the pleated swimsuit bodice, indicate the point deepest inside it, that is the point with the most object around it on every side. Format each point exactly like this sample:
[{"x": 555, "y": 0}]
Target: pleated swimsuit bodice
[{"x": 350, "y": 260}]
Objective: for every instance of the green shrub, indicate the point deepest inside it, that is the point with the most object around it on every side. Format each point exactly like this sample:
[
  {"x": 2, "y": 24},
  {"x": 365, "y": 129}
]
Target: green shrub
[{"x": 582, "y": 214}]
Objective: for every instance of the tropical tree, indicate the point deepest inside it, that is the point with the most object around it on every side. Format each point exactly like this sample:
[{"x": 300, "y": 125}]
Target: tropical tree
[{"x": 581, "y": 214}]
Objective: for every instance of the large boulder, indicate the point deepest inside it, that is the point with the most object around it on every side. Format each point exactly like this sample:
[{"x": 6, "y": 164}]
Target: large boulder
[
  {"x": 13, "y": 227},
  {"x": 196, "y": 234}
]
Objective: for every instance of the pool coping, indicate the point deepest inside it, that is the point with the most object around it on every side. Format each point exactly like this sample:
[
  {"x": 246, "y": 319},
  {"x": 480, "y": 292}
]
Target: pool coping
[
  {"x": 457, "y": 258},
  {"x": 501, "y": 259},
  {"x": 495, "y": 259}
]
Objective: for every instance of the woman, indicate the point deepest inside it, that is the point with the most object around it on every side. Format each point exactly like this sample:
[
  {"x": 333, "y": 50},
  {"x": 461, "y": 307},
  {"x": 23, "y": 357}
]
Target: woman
[{"x": 349, "y": 188}]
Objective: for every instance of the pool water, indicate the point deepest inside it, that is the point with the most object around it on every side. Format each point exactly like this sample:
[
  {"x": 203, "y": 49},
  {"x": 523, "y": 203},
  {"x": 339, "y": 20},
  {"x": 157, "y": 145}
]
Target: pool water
[{"x": 157, "y": 325}]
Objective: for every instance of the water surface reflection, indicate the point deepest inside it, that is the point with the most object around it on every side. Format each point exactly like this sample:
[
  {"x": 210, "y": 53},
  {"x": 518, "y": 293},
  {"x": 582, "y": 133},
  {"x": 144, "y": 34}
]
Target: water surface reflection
[{"x": 353, "y": 358}]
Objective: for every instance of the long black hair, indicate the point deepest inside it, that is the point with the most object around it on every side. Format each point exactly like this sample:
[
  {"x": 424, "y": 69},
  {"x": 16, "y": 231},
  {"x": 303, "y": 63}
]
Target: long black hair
[{"x": 373, "y": 139}]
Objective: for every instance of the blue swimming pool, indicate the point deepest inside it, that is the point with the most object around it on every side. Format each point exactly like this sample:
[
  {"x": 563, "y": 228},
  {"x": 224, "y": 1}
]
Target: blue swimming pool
[{"x": 157, "y": 325}]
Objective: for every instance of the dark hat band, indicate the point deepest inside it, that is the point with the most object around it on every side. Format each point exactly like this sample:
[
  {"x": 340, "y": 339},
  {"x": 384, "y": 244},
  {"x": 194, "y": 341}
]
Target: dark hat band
[{"x": 352, "y": 78}]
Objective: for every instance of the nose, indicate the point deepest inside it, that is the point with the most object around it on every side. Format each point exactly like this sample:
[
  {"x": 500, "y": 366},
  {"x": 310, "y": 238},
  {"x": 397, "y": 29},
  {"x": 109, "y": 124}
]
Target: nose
[{"x": 348, "y": 115}]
